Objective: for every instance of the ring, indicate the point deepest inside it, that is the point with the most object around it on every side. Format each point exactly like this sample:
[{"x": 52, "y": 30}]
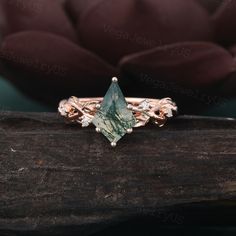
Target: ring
[{"x": 114, "y": 115}]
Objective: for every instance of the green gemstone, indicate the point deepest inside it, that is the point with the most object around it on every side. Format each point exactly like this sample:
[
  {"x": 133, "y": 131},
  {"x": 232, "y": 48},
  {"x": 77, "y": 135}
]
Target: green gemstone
[{"x": 113, "y": 118}]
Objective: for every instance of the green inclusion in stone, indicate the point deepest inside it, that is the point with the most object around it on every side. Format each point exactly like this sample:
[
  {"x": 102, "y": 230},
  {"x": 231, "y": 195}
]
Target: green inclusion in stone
[{"x": 113, "y": 118}]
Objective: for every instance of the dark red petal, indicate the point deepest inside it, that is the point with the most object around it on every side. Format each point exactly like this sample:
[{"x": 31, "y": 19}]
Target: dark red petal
[
  {"x": 210, "y": 5},
  {"x": 192, "y": 64},
  {"x": 229, "y": 86},
  {"x": 77, "y": 7},
  {"x": 225, "y": 22},
  {"x": 233, "y": 50},
  {"x": 114, "y": 28},
  {"x": 3, "y": 22},
  {"x": 42, "y": 15},
  {"x": 56, "y": 64}
]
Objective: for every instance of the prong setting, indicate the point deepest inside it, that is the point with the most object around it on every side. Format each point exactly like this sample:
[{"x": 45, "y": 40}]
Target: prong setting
[
  {"x": 98, "y": 106},
  {"x": 114, "y": 79},
  {"x": 113, "y": 144},
  {"x": 129, "y": 131},
  {"x": 98, "y": 130}
]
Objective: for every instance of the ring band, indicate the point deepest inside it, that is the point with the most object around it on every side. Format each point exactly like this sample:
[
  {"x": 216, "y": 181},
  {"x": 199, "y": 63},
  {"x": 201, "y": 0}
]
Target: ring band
[{"x": 114, "y": 115}]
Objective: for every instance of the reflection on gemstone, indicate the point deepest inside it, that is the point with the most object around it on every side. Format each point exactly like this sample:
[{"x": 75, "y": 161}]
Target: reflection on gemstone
[{"x": 113, "y": 119}]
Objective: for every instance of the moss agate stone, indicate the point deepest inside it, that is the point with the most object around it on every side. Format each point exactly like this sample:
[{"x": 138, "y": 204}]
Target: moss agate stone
[{"x": 113, "y": 118}]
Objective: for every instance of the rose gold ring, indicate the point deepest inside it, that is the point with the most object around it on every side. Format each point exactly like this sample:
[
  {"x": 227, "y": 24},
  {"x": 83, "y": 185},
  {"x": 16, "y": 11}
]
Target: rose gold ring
[{"x": 114, "y": 115}]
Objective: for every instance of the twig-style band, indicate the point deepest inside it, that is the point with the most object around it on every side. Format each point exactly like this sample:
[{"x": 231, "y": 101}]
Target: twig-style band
[{"x": 83, "y": 110}]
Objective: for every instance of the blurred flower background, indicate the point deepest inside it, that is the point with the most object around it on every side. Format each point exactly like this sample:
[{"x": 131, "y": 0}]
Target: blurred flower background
[{"x": 184, "y": 49}]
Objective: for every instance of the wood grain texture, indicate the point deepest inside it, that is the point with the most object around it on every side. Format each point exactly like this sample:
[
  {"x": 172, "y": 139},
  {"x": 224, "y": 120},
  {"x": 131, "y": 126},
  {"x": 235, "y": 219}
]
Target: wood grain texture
[{"x": 55, "y": 176}]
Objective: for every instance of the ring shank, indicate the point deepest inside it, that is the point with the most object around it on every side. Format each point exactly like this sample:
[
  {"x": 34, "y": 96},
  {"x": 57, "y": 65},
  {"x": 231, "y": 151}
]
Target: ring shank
[{"x": 83, "y": 110}]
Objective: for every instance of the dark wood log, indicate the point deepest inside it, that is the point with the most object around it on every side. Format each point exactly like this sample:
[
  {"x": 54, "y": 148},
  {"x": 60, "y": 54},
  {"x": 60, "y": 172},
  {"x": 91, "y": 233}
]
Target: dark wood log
[{"x": 57, "y": 178}]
